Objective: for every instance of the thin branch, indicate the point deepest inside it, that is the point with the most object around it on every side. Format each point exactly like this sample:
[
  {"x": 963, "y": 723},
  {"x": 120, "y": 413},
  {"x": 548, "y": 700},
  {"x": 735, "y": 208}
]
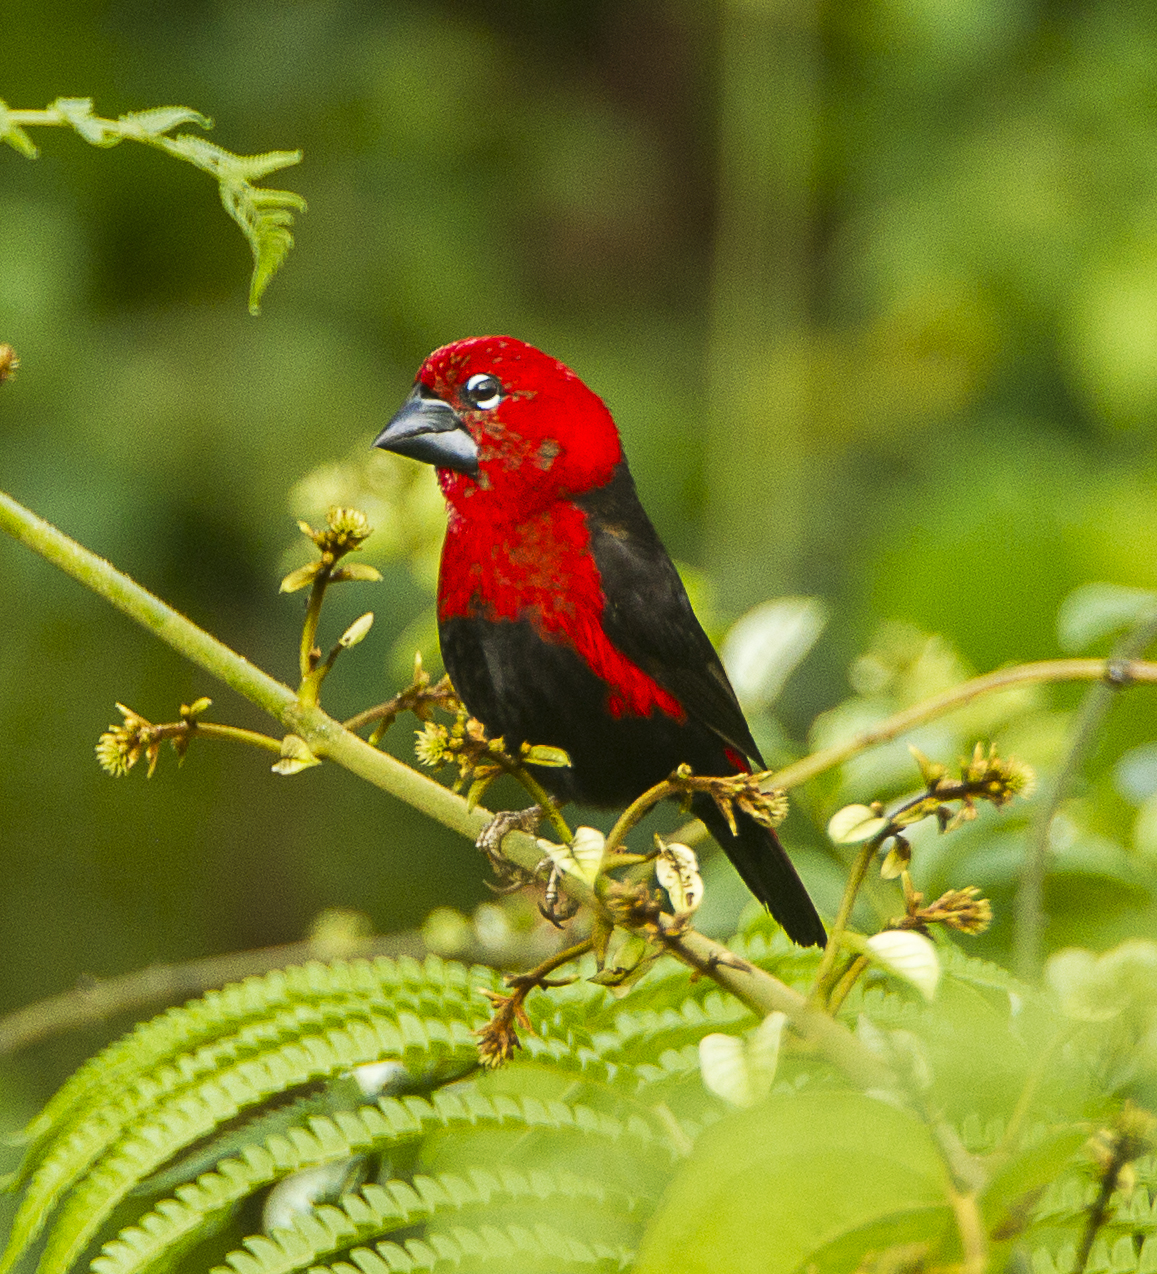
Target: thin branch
[
  {"x": 1116, "y": 673},
  {"x": 856, "y": 877},
  {"x": 97, "y": 1001},
  {"x": 1030, "y": 918},
  {"x": 764, "y": 994},
  {"x": 326, "y": 738}
]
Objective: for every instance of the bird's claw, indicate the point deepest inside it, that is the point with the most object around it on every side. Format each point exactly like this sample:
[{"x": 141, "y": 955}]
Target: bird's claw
[
  {"x": 556, "y": 906},
  {"x": 490, "y": 839}
]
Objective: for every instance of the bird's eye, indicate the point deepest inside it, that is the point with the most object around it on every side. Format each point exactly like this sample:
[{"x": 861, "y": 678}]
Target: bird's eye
[{"x": 483, "y": 391}]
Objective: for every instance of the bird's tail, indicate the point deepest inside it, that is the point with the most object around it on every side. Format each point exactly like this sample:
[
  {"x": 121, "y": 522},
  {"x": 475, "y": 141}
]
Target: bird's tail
[{"x": 766, "y": 870}]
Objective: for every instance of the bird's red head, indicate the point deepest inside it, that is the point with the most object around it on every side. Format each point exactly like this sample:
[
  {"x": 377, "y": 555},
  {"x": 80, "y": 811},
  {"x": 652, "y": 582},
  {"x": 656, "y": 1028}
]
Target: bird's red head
[{"x": 507, "y": 427}]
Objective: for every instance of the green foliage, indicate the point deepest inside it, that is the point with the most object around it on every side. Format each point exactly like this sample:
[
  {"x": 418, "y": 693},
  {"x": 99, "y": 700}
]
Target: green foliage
[
  {"x": 600, "y": 1147},
  {"x": 959, "y": 411},
  {"x": 264, "y": 215}
]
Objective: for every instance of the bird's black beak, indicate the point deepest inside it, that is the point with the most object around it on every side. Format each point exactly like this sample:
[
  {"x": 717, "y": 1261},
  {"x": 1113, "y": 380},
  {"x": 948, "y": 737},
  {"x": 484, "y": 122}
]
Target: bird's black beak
[{"x": 428, "y": 429}]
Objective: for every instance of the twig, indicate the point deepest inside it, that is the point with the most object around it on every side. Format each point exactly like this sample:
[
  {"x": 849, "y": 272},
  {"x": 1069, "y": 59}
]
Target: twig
[
  {"x": 1030, "y": 918},
  {"x": 326, "y": 738},
  {"x": 1121, "y": 673},
  {"x": 855, "y": 880},
  {"x": 96, "y": 1001}
]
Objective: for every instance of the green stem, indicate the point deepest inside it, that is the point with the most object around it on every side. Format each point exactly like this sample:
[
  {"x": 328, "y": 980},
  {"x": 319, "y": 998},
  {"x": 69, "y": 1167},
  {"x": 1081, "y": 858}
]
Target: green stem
[
  {"x": 1046, "y": 670},
  {"x": 236, "y": 733},
  {"x": 544, "y": 800},
  {"x": 855, "y": 880},
  {"x": 845, "y": 982},
  {"x": 1030, "y": 918},
  {"x": 310, "y": 682},
  {"x": 533, "y": 977},
  {"x": 635, "y": 812}
]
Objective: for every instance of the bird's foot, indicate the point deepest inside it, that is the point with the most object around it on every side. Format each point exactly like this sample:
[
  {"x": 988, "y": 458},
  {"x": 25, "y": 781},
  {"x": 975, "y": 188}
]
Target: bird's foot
[
  {"x": 510, "y": 875},
  {"x": 556, "y": 906}
]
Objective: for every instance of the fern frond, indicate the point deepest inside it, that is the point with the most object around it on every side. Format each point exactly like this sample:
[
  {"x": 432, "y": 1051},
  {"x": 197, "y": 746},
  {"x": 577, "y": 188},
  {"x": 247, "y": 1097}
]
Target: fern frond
[
  {"x": 176, "y": 1122},
  {"x": 1062, "y": 1261},
  {"x": 388, "y": 1124},
  {"x": 638, "y": 1037},
  {"x": 150, "y": 1065},
  {"x": 218, "y": 1022},
  {"x": 264, "y": 215},
  {"x": 512, "y": 1248},
  {"x": 376, "y": 1211},
  {"x": 982, "y": 974}
]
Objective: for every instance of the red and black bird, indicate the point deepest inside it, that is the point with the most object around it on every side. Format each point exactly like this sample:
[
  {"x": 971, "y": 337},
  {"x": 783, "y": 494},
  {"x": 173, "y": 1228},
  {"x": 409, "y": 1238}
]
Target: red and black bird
[{"x": 561, "y": 616}]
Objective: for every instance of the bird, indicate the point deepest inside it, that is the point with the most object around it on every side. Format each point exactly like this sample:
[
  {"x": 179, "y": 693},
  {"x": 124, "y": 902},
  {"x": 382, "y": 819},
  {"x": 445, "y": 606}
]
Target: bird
[{"x": 561, "y": 617}]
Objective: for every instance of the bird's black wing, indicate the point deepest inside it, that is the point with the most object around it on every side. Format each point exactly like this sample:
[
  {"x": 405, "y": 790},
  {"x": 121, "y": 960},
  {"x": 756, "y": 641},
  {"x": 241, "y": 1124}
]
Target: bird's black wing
[{"x": 648, "y": 616}]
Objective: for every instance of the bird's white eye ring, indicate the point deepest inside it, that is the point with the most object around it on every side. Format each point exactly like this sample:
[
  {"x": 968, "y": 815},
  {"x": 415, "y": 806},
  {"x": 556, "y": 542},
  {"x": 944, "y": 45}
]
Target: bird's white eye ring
[{"x": 483, "y": 391}]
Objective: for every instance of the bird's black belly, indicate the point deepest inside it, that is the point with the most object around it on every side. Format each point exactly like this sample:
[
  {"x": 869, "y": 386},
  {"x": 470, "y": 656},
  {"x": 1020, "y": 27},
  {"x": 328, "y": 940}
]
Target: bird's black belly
[{"x": 529, "y": 690}]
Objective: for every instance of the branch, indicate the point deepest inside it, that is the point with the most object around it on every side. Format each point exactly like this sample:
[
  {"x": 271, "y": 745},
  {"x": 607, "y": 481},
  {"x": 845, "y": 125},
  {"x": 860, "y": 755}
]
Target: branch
[
  {"x": 1115, "y": 673},
  {"x": 99, "y": 1000},
  {"x": 1094, "y": 708},
  {"x": 327, "y": 738}
]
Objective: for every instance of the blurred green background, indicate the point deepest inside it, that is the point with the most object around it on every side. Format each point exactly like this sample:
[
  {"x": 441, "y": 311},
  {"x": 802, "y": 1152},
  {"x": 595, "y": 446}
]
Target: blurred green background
[{"x": 871, "y": 288}]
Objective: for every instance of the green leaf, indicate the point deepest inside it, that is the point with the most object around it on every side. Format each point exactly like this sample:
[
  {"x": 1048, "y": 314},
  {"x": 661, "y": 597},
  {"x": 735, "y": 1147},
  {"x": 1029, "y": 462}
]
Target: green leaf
[
  {"x": 855, "y": 823},
  {"x": 161, "y": 119},
  {"x": 263, "y": 215},
  {"x": 742, "y": 1071},
  {"x": 545, "y": 755},
  {"x": 583, "y": 858},
  {"x": 770, "y": 1190},
  {"x": 909, "y": 956},
  {"x": 1094, "y": 611},
  {"x": 357, "y": 631},
  {"x": 766, "y": 645}
]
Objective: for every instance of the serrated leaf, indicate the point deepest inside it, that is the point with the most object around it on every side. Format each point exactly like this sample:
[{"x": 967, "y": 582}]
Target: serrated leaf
[
  {"x": 295, "y": 756},
  {"x": 160, "y": 119},
  {"x": 1096, "y": 610},
  {"x": 908, "y": 955},
  {"x": 855, "y": 823},
  {"x": 263, "y": 215}
]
